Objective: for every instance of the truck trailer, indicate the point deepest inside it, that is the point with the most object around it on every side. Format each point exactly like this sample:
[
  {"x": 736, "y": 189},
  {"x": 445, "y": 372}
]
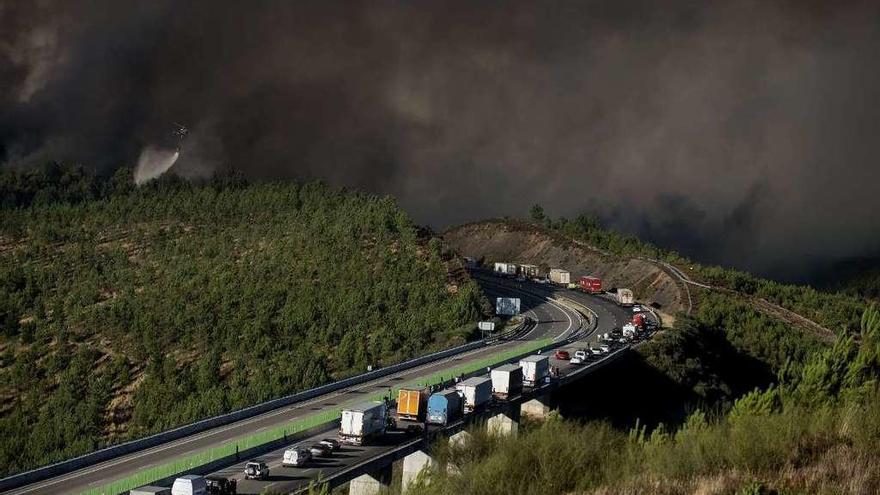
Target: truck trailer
[
  {"x": 507, "y": 381},
  {"x": 412, "y": 404},
  {"x": 535, "y": 369},
  {"x": 476, "y": 391},
  {"x": 625, "y": 297},
  {"x": 363, "y": 422},
  {"x": 508, "y": 269},
  {"x": 530, "y": 271},
  {"x": 560, "y": 276},
  {"x": 445, "y": 407},
  {"x": 590, "y": 285}
]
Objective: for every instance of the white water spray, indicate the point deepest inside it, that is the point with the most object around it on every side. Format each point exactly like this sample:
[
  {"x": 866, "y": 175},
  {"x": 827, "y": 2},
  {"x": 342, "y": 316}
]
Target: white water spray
[{"x": 152, "y": 163}]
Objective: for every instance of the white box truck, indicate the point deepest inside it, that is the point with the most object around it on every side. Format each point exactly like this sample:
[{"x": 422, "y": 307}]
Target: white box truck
[
  {"x": 505, "y": 269},
  {"x": 477, "y": 391},
  {"x": 190, "y": 484},
  {"x": 507, "y": 381},
  {"x": 560, "y": 276},
  {"x": 535, "y": 369},
  {"x": 625, "y": 297},
  {"x": 363, "y": 422}
]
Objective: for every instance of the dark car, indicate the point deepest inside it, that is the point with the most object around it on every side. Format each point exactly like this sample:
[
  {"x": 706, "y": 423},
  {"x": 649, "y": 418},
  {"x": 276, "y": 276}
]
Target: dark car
[
  {"x": 256, "y": 470},
  {"x": 321, "y": 449},
  {"x": 218, "y": 485},
  {"x": 331, "y": 442}
]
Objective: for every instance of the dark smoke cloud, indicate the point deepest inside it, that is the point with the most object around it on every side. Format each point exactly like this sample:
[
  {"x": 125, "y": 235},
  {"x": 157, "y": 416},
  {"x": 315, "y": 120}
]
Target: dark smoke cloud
[{"x": 742, "y": 132}]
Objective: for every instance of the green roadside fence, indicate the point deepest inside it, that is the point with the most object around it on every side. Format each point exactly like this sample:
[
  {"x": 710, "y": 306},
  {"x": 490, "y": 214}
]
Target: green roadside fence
[{"x": 162, "y": 471}]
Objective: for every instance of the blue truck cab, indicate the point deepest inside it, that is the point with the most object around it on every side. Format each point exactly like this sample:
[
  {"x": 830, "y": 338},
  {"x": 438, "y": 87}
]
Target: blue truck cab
[{"x": 445, "y": 407}]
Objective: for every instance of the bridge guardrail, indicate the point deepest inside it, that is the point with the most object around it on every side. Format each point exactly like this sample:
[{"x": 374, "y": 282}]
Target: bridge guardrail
[{"x": 112, "y": 452}]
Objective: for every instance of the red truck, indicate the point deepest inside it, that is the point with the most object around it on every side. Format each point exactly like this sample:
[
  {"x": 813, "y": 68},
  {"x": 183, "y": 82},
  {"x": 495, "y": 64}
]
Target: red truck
[
  {"x": 591, "y": 285},
  {"x": 639, "y": 321}
]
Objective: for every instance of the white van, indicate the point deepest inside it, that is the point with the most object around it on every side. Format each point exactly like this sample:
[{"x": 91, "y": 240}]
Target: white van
[
  {"x": 190, "y": 484},
  {"x": 296, "y": 457}
]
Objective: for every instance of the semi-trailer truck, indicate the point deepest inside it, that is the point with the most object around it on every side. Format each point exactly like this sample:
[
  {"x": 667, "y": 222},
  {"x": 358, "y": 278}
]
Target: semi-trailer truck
[
  {"x": 362, "y": 423},
  {"x": 625, "y": 297},
  {"x": 445, "y": 407},
  {"x": 590, "y": 285},
  {"x": 507, "y": 381},
  {"x": 560, "y": 276},
  {"x": 476, "y": 391},
  {"x": 505, "y": 269},
  {"x": 412, "y": 404},
  {"x": 535, "y": 369}
]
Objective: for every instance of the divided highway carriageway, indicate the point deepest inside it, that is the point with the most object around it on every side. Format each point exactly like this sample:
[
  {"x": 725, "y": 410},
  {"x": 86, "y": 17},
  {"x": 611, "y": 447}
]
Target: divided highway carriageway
[{"x": 549, "y": 324}]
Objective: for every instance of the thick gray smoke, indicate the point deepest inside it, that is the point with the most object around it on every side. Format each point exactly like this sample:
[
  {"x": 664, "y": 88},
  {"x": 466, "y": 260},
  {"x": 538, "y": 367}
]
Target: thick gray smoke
[{"x": 741, "y": 132}]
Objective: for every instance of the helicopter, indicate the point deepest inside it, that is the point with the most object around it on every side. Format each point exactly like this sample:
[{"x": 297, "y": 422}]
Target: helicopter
[{"x": 180, "y": 132}]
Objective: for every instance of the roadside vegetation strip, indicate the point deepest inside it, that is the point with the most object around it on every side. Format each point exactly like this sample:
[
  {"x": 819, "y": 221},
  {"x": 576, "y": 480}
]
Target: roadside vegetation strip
[
  {"x": 167, "y": 470},
  {"x": 483, "y": 363}
]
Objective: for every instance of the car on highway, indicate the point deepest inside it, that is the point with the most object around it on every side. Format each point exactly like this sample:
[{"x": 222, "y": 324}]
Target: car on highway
[
  {"x": 581, "y": 354},
  {"x": 562, "y": 355},
  {"x": 321, "y": 450},
  {"x": 296, "y": 457},
  {"x": 331, "y": 442},
  {"x": 595, "y": 351},
  {"x": 256, "y": 470},
  {"x": 605, "y": 346},
  {"x": 218, "y": 485},
  {"x": 637, "y": 309},
  {"x": 576, "y": 360}
]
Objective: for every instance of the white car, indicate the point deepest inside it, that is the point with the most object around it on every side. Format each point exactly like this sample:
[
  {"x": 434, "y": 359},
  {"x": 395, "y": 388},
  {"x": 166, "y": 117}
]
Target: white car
[
  {"x": 605, "y": 347},
  {"x": 595, "y": 350},
  {"x": 580, "y": 354},
  {"x": 296, "y": 457},
  {"x": 576, "y": 360},
  {"x": 637, "y": 309}
]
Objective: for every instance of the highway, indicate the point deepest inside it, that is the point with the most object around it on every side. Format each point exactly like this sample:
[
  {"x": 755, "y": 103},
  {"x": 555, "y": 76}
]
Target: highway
[{"x": 552, "y": 321}]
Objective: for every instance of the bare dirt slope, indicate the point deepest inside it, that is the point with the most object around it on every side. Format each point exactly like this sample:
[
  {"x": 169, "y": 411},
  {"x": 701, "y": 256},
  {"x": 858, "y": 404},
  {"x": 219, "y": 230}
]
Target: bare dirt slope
[{"x": 500, "y": 240}]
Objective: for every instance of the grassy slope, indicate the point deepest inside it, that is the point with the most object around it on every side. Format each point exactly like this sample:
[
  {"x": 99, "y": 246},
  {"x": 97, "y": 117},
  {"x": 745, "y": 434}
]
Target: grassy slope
[{"x": 140, "y": 311}]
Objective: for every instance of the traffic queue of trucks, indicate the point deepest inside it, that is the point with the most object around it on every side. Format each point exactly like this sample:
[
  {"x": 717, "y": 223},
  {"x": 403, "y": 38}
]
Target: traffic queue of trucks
[{"x": 363, "y": 422}]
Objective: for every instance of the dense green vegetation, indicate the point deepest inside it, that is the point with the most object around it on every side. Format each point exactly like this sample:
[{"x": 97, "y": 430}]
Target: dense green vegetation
[
  {"x": 818, "y": 431},
  {"x": 127, "y": 311}
]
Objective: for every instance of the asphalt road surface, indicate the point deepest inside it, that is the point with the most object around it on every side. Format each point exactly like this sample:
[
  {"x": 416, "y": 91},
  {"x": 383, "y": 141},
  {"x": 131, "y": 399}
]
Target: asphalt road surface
[{"x": 553, "y": 320}]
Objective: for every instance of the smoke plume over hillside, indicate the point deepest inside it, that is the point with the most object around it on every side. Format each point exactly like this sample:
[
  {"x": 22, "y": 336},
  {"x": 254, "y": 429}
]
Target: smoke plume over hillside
[{"x": 740, "y": 132}]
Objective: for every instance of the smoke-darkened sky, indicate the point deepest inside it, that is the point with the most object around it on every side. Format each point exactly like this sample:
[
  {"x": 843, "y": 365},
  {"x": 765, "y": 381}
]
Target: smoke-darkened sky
[{"x": 737, "y": 132}]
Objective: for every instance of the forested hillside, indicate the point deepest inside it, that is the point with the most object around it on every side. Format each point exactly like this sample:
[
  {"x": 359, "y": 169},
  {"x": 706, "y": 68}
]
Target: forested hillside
[
  {"x": 732, "y": 398},
  {"x": 817, "y": 431},
  {"x": 126, "y": 311}
]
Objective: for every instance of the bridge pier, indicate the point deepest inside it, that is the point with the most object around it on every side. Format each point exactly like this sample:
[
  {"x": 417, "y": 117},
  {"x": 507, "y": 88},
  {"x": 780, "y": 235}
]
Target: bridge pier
[
  {"x": 414, "y": 465},
  {"x": 537, "y": 408},
  {"x": 504, "y": 423},
  {"x": 460, "y": 439},
  {"x": 371, "y": 483}
]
